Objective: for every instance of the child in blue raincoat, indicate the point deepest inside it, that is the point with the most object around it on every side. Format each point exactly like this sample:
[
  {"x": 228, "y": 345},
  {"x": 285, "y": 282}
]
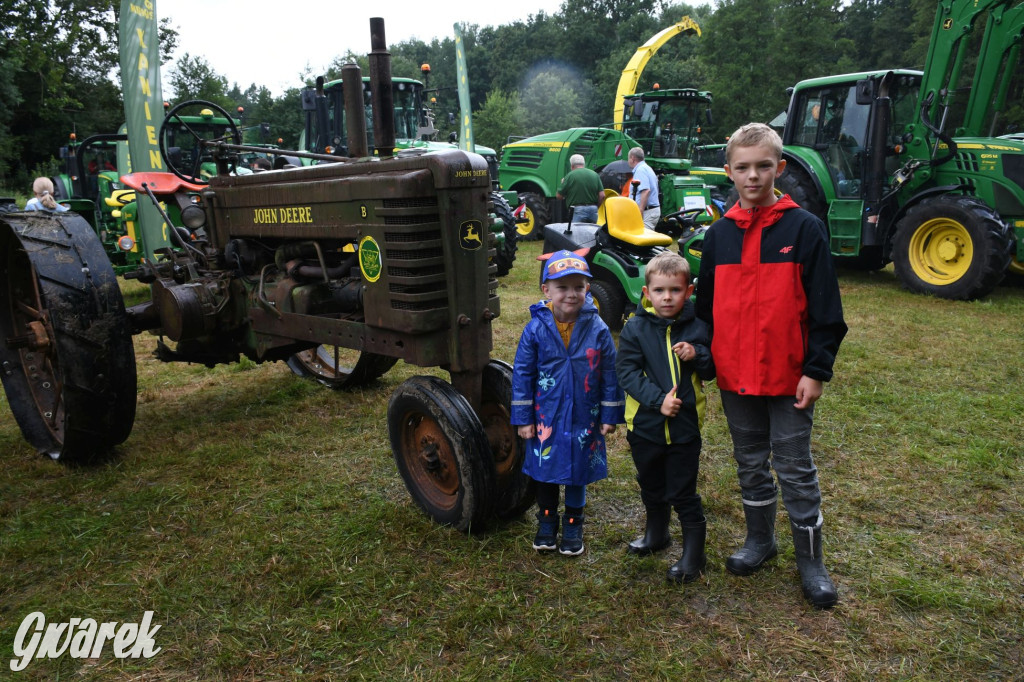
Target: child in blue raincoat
[{"x": 565, "y": 398}]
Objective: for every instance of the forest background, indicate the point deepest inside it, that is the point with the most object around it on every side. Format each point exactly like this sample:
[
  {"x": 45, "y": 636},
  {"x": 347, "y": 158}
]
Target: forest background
[{"x": 59, "y": 64}]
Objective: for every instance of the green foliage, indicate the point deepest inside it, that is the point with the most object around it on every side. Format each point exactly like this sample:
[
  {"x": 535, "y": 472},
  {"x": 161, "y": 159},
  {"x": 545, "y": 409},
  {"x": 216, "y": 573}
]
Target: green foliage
[
  {"x": 194, "y": 78},
  {"x": 550, "y": 101},
  {"x": 500, "y": 113}
]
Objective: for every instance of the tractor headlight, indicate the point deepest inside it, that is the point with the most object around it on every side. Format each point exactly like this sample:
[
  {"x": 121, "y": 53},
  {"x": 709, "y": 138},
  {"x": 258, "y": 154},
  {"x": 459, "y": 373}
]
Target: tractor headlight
[{"x": 193, "y": 217}]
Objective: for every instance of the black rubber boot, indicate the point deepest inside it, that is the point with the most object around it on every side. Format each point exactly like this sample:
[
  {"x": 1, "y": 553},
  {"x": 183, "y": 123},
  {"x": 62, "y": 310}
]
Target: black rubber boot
[
  {"x": 692, "y": 563},
  {"x": 546, "y": 539},
  {"x": 656, "y": 536},
  {"x": 760, "y": 544},
  {"x": 818, "y": 587}
]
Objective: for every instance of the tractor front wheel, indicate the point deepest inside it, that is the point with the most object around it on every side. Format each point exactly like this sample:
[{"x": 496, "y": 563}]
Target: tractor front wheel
[
  {"x": 442, "y": 452},
  {"x": 515, "y": 490},
  {"x": 536, "y": 216},
  {"x": 66, "y": 353},
  {"x": 951, "y": 246},
  {"x": 336, "y": 367}
]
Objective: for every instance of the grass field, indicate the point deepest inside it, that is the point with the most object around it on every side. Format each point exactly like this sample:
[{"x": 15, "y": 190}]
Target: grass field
[{"x": 261, "y": 518}]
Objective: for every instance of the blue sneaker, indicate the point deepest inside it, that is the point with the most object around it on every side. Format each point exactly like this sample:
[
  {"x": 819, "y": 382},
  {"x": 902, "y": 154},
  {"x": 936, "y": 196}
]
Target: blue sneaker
[
  {"x": 572, "y": 535},
  {"x": 547, "y": 531}
]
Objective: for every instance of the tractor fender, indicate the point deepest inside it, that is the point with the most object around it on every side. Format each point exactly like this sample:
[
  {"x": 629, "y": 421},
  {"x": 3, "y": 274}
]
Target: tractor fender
[
  {"x": 914, "y": 200},
  {"x": 609, "y": 265},
  {"x": 815, "y": 169}
]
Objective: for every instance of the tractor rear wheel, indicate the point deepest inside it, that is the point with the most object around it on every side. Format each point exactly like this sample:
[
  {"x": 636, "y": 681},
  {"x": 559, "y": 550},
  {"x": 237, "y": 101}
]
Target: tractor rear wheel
[
  {"x": 536, "y": 216},
  {"x": 442, "y": 452},
  {"x": 951, "y": 246},
  {"x": 800, "y": 187},
  {"x": 610, "y": 302},
  {"x": 67, "y": 355},
  {"x": 515, "y": 490},
  {"x": 336, "y": 367},
  {"x": 506, "y": 251}
]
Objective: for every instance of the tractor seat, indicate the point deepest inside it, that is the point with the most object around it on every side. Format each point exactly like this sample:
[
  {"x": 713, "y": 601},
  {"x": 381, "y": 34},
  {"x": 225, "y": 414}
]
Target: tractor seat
[
  {"x": 625, "y": 223},
  {"x": 119, "y": 198}
]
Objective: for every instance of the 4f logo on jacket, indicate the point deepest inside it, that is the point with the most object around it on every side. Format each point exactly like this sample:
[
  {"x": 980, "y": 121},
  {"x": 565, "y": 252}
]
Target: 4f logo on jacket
[{"x": 785, "y": 249}]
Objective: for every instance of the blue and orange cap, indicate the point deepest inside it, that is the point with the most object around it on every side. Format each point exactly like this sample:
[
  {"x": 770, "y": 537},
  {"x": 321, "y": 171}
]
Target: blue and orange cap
[{"x": 562, "y": 263}]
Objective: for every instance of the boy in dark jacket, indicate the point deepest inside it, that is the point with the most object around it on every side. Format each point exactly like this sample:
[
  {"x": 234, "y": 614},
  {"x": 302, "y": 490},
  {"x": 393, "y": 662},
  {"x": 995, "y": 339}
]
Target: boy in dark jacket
[
  {"x": 663, "y": 357},
  {"x": 768, "y": 289}
]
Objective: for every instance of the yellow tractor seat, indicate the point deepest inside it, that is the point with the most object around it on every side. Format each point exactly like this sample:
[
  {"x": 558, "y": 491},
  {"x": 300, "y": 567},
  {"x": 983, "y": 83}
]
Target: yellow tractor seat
[
  {"x": 119, "y": 198},
  {"x": 626, "y": 223}
]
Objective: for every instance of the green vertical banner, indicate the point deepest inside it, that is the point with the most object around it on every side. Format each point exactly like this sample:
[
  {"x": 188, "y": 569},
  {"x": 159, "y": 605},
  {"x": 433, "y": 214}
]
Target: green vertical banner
[
  {"x": 143, "y": 109},
  {"x": 465, "y": 111}
]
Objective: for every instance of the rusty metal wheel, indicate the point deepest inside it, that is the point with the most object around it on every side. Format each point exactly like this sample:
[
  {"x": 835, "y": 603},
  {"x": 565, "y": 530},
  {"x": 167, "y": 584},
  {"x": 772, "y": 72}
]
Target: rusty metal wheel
[
  {"x": 66, "y": 354},
  {"x": 442, "y": 452},
  {"x": 515, "y": 490},
  {"x": 337, "y": 367}
]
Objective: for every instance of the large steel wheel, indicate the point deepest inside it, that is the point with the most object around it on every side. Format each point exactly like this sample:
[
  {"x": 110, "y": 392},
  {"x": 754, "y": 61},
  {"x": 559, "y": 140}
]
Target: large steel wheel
[
  {"x": 536, "y": 216},
  {"x": 515, "y": 490},
  {"x": 337, "y": 367},
  {"x": 442, "y": 452},
  {"x": 951, "y": 246},
  {"x": 506, "y": 251},
  {"x": 66, "y": 353}
]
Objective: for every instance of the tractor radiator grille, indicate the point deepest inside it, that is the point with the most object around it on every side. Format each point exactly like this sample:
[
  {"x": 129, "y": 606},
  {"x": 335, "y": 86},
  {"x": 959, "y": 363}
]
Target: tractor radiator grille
[
  {"x": 418, "y": 254},
  {"x": 402, "y": 237},
  {"x": 524, "y": 158},
  {"x": 394, "y": 220},
  {"x": 967, "y": 162},
  {"x": 413, "y": 202}
]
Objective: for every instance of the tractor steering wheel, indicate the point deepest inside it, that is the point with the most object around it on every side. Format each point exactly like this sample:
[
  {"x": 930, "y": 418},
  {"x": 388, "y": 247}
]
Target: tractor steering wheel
[
  {"x": 682, "y": 219},
  {"x": 187, "y": 164}
]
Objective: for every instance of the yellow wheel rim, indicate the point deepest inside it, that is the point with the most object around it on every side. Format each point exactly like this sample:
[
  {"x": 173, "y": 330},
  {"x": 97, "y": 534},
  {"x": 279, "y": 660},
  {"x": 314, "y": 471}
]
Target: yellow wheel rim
[
  {"x": 526, "y": 228},
  {"x": 941, "y": 251},
  {"x": 1016, "y": 267}
]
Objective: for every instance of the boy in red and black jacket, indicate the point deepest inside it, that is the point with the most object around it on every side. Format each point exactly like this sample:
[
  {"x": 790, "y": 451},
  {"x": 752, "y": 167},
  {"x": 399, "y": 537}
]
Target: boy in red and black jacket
[{"x": 768, "y": 289}]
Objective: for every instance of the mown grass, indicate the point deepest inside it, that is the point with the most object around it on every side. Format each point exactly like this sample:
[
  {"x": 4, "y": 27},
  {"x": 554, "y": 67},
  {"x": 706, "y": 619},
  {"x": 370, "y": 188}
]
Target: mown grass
[{"x": 262, "y": 518}]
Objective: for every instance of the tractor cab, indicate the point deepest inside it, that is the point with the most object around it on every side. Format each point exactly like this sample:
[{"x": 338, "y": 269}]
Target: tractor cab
[{"x": 666, "y": 123}]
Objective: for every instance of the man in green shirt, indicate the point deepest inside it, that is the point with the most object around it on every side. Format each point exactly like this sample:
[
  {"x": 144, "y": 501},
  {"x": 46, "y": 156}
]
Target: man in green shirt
[{"x": 582, "y": 190}]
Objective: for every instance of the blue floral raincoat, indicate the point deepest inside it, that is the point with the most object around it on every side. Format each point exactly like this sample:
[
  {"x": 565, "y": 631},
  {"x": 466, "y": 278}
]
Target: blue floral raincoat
[{"x": 567, "y": 393}]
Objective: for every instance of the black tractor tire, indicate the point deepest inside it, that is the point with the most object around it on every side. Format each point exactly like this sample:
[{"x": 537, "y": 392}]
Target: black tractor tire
[
  {"x": 67, "y": 359},
  {"x": 442, "y": 452},
  {"x": 336, "y": 367},
  {"x": 515, "y": 490},
  {"x": 800, "y": 187},
  {"x": 610, "y": 301},
  {"x": 951, "y": 246},
  {"x": 505, "y": 254},
  {"x": 537, "y": 216}
]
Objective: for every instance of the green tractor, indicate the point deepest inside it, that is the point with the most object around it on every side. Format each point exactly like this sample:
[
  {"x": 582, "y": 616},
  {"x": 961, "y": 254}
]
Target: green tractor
[
  {"x": 665, "y": 123},
  {"x": 325, "y": 133},
  {"x": 905, "y": 167}
]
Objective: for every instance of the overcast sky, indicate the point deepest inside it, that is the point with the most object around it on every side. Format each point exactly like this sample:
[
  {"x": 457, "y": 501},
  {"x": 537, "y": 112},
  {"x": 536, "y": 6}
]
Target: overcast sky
[{"x": 273, "y": 44}]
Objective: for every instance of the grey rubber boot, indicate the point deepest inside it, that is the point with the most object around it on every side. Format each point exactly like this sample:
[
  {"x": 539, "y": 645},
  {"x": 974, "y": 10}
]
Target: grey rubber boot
[
  {"x": 818, "y": 587},
  {"x": 656, "y": 536},
  {"x": 760, "y": 544},
  {"x": 693, "y": 561}
]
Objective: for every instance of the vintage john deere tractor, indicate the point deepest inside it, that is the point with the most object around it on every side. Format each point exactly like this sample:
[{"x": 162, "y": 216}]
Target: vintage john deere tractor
[{"x": 391, "y": 258}]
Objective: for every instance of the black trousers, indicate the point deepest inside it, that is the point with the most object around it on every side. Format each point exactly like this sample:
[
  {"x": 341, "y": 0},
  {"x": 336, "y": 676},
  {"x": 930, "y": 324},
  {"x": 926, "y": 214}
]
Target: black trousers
[{"x": 667, "y": 474}]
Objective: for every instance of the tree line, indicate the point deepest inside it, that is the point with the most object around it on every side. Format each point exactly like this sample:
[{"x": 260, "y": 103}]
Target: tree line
[{"x": 539, "y": 74}]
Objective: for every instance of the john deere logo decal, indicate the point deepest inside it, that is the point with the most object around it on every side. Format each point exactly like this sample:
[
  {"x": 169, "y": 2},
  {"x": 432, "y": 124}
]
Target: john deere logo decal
[
  {"x": 369, "y": 259},
  {"x": 470, "y": 235}
]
